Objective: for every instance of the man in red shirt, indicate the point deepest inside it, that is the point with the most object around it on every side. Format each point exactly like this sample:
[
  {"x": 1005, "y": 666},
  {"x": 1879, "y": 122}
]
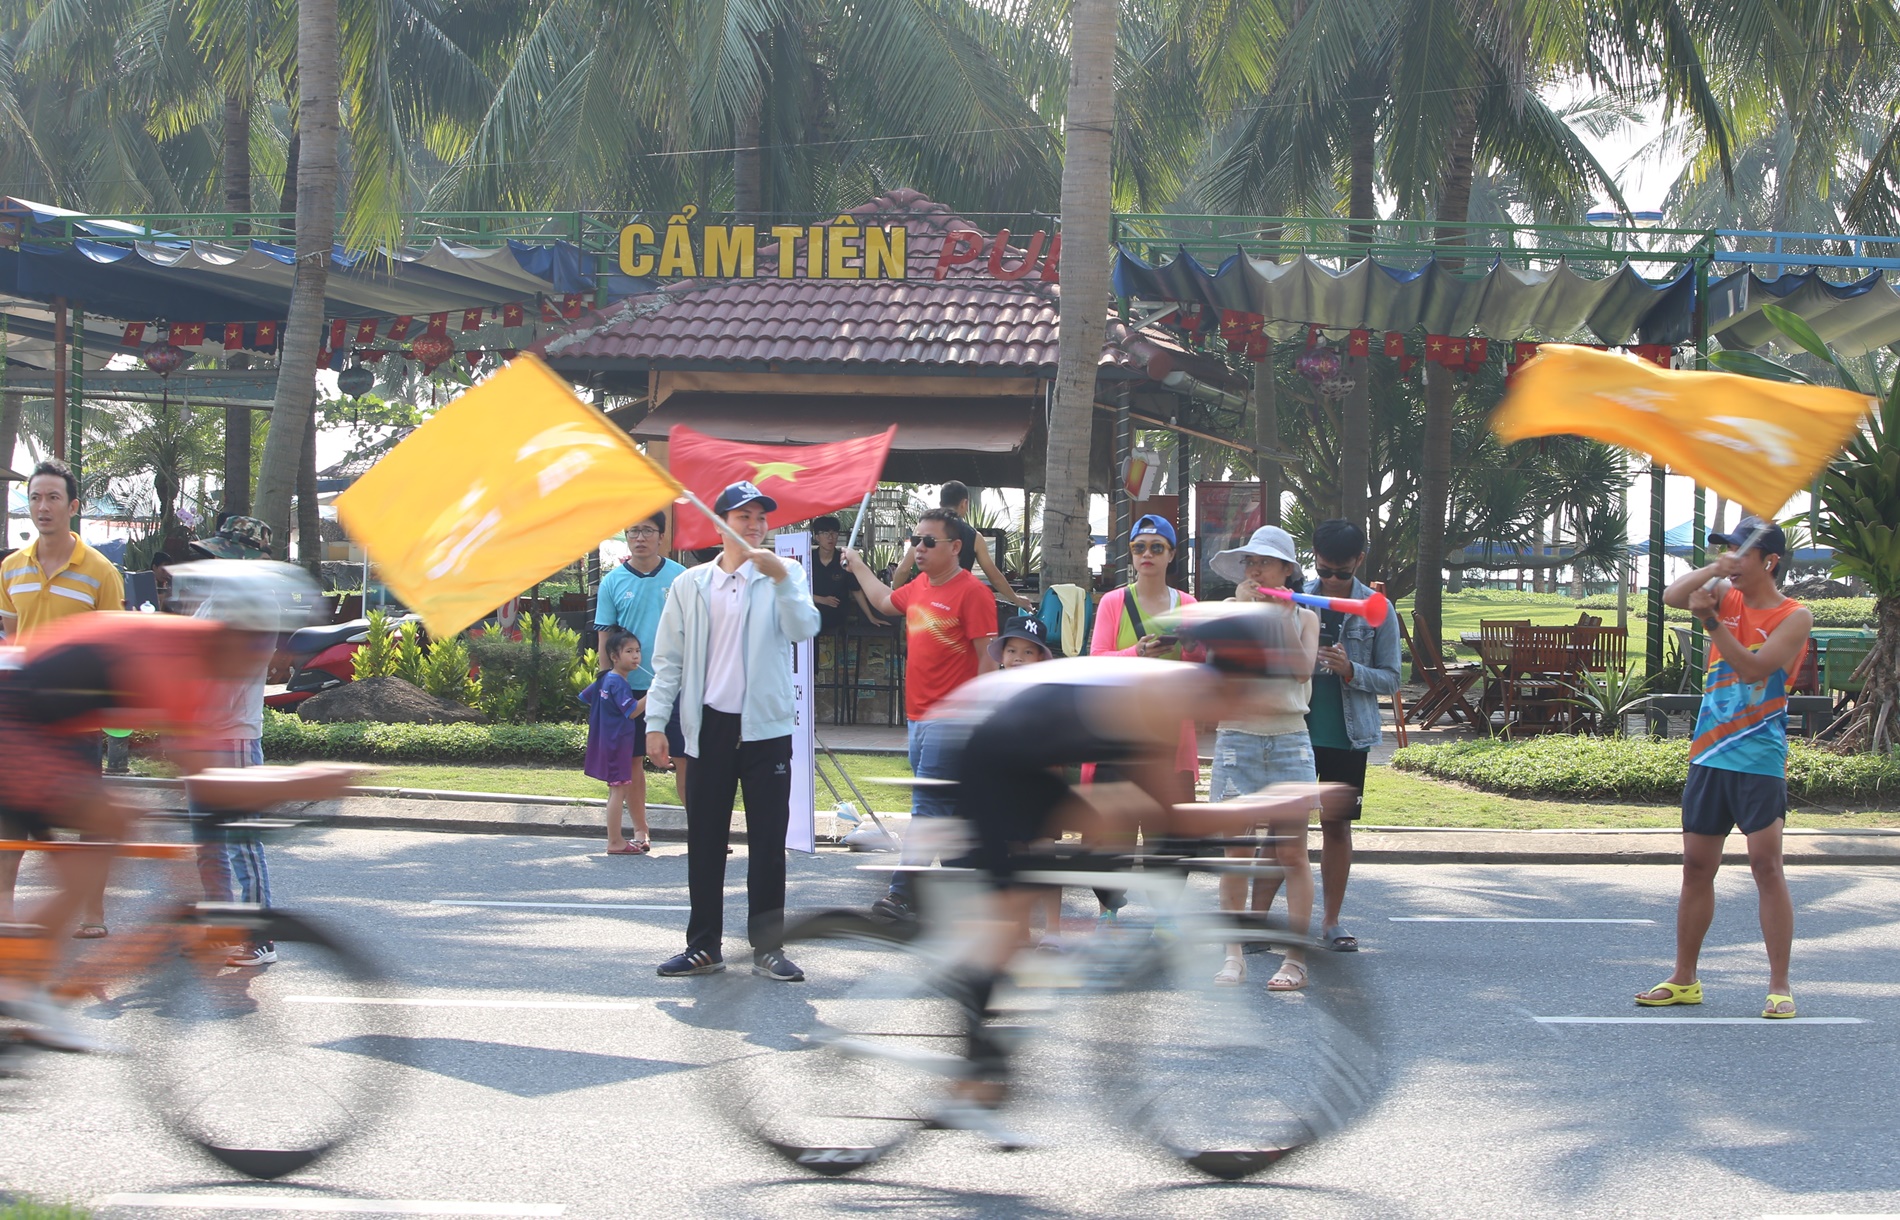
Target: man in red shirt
[{"x": 949, "y": 617}]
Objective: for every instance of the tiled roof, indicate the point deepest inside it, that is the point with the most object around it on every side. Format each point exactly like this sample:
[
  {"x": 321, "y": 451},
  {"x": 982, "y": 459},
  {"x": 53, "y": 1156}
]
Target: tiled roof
[{"x": 963, "y": 323}]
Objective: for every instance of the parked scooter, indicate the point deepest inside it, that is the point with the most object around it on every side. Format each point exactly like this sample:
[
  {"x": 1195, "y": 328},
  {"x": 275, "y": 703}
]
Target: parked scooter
[{"x": 316, "y": 659}]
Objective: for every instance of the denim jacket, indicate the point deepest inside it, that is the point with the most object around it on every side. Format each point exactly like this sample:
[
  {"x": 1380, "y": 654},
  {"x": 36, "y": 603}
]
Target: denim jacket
[{"x": 1374, "y": 653}]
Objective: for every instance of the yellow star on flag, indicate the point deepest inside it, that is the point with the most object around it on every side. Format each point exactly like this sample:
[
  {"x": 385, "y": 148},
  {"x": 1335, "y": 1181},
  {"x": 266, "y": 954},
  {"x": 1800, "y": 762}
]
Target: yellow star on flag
[{"x": 775, "y": 470}]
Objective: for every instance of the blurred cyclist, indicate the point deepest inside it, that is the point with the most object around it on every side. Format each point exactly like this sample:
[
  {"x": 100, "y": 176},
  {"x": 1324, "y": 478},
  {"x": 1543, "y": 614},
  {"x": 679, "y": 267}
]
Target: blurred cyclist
[
  {"x": 1024, "y": 724},
  {"x": 158, "y": 673}
]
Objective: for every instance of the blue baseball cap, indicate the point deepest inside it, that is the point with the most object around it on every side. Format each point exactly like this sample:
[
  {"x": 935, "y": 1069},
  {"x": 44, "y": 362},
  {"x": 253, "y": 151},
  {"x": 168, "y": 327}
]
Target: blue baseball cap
[
  {"x": 739, "y": 494},
  {"x": 1154, "y": 524}
]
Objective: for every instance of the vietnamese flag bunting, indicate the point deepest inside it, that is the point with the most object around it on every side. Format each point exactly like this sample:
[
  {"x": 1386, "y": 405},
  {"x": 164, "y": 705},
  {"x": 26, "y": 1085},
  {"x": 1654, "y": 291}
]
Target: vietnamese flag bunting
[
  {"x": 134, "y": 334},
  {"x": 1753, "y": 441},
  {"x": 471, "y": 319},
  {"x": 366, "y": 332},
  {"x": 339, "y": 333},
  {"x": 187, "y": 334},
  {"x": 805, "y": 480},
  {"x": 1394, "y": 343},
  {"x": 439, "y": 325},
  {"x": 399, "y": 329},
  {"x": 513, "y": 315},
  {"x": 233, "y": 336},
  {"x": 266, "y": 336},
  {"x": 1359, "y": 343}
]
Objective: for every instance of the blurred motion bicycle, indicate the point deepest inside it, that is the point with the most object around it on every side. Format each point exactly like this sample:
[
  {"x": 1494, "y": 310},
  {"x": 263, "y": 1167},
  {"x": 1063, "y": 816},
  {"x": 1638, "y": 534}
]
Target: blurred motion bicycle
[
  {"x": 1226, "y": 1080},
  {"x": 264, "y": 1070}
]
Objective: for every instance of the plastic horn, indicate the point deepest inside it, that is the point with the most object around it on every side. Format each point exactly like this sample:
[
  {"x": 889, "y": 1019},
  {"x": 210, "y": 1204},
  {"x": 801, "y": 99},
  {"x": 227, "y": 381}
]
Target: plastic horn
[{"x": 1372, "y": 609}]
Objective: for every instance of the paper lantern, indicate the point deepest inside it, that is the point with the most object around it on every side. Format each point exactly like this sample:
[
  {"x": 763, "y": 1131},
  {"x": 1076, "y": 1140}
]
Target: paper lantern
[
  {"x": 163, "y": 358},
  {"x": 355, "y": 381},
  {"x": 432, "y": 350}
]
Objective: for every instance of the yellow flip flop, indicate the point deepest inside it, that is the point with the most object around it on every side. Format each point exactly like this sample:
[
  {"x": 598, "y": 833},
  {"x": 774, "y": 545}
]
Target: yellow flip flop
[
  {"x": 1679, "y": 993},
  {"x": 1774, "y": 1014}
]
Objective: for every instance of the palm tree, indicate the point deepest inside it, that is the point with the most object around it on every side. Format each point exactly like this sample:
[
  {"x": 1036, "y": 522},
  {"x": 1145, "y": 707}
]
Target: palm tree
[
  {"x": 295, "y": 399},
  {"x": 1087, "y": 140}
]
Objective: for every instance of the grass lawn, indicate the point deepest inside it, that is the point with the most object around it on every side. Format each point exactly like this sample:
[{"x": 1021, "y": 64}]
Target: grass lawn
[
  {"x": 1464, "y": 611},
  {"x": 1393, "y": 798}
]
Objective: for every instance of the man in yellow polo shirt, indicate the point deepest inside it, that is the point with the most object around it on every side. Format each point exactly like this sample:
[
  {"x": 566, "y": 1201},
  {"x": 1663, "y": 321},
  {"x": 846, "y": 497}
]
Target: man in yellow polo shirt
[
  {"x": 56, "y": 574},
  {"x": 51, "y": 577}
]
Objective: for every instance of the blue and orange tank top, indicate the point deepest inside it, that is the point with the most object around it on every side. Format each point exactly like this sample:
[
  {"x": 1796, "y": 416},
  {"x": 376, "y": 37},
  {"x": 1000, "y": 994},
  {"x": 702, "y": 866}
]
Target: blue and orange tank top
[{"x": 1744, "y": 726}]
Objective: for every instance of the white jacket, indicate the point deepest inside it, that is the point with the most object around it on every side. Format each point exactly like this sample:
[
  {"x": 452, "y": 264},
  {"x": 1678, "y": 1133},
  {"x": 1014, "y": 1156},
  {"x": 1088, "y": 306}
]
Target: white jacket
[{"x": 777, "y": 615}]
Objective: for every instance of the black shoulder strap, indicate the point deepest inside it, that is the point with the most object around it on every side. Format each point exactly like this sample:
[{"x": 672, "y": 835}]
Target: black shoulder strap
[{"x": 1134, "y": 611}]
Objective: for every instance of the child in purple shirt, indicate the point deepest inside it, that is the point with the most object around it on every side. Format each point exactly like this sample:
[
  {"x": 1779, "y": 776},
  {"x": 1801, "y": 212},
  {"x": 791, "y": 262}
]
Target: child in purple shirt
[{"x": 616, "y": 726}]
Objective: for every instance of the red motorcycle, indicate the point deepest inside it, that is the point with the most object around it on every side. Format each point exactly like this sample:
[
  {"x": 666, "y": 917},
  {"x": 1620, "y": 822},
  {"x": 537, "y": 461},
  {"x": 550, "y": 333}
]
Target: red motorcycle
[{"x": 317, "y": 659}]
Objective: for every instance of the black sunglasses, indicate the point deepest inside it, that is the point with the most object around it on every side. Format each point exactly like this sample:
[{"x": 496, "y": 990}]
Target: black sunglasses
[
  {"x": 925, "y": 541},
  {"x": 1148, "y": 548},
  {"x": 1326, "y": 573}
]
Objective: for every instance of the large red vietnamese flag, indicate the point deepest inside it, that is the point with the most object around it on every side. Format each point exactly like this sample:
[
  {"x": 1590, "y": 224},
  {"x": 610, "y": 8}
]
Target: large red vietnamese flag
[{"x": 805, "y": 480}]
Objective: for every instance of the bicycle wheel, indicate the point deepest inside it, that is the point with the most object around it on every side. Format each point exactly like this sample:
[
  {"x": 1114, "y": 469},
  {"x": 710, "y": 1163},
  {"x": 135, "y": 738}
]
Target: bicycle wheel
[
  {"x": 1232, "y": 1079},
  {"x": 870, "y": 1071},
  {"x": 267, "y": 1070}
]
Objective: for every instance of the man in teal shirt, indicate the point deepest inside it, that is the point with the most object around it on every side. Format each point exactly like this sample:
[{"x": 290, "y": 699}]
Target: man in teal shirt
[{"x": 631, "y": 598}]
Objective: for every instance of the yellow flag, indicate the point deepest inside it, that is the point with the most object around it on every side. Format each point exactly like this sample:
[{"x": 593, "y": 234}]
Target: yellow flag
[
  {"x": 499, "y": 489},
  {"x": 1752, "y": 441}
]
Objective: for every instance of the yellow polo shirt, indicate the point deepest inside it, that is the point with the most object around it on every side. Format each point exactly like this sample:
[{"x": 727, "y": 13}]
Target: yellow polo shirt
[{"x": 87, "y": 581}]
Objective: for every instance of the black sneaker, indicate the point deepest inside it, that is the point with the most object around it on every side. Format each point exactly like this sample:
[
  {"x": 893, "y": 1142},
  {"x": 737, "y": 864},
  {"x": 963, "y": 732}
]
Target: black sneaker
[
  {"x": 772, "y": 964},
  {"x": 894, "y": 909},
  {"x": 693, "y": 961}
]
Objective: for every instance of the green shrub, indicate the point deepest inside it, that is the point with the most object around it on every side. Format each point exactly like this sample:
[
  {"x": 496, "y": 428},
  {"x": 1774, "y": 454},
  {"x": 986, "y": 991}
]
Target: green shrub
[
  {"x": 376, "y": 658},
  {"x": 289, "y": 738},
  {"x": 444, "y": 672},
  {"x": 409, "y": 655},
  {"x": 1842, "y": 611},
  {"x": 509, "y": 669},
  {"x": 1633, "y": 769}
]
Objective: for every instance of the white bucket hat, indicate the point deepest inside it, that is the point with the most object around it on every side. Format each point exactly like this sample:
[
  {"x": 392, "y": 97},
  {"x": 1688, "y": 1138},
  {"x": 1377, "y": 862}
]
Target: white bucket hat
[{"x": 1269, "y": 540}]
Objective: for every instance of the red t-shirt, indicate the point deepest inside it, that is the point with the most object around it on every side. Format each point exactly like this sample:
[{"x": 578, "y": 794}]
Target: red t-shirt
[{"x": 942, "y": 624}]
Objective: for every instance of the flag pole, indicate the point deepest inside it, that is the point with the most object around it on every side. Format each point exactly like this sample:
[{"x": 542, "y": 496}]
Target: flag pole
[
  {"x": 858, "y": 522},
  {"x": 719, "y": 522}
]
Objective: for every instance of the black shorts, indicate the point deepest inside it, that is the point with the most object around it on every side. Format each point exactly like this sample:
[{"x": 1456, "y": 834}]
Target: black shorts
[
  {"x": 46, "y": 772},
  {"x": 1008, "y": 785},
  {"x": 1715, "y": 800},
  {"x": 1332, "y": 765},
  {"x": 675, "y": 736}
]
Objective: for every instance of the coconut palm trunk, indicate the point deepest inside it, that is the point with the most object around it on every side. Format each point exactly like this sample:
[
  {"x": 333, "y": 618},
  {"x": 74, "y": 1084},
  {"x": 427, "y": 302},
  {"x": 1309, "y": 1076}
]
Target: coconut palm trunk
[
  {"x": 1087, "y": 141},
  {"x": 1355, "y": 417},
  {"x": 1441, "y": 383},
  {"x": 316, "y": 185},
  {"x": 237, "y": 200}
]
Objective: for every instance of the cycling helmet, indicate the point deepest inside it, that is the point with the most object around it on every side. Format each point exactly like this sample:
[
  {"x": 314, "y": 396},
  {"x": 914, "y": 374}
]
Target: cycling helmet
[
  {"x": 1250, "y": 639},
  {"x": 249, "y": 595}
]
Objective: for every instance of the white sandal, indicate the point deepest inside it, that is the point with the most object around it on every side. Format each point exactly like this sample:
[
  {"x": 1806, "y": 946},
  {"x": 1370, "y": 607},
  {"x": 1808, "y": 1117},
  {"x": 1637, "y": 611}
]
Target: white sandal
[
  {"x": 1233, "y": 972},
  {"x": 1291, "y": 976}
]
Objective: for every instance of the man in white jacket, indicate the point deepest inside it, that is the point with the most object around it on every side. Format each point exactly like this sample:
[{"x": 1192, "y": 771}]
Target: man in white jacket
[{"x": 722, "y": 655}]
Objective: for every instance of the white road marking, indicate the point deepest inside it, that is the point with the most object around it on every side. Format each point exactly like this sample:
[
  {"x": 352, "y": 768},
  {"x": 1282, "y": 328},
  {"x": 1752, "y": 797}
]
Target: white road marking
[
  {"x": 1500, "y": 919},
  {"x": 1756, "y": 1021},
  {"x": 556, "y": 906},
  {"x": 1838, "y": 1216},
  {"x": 445, "y": 1002},
  {"x": 381, "y": 1207}
]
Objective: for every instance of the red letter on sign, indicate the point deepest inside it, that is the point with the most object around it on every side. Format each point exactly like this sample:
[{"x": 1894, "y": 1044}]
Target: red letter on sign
[
  {"x": 959, "y": 246},
  {"x": 1020, "y": 269},
  {"x": 1051, "y": 272}
]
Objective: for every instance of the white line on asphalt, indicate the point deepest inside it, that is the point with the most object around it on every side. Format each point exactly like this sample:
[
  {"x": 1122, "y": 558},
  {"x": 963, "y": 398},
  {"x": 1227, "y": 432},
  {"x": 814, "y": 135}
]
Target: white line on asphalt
[
  {"x": 283, "y": 1203},
  {"x": 1756, "y": 1021},
  {"x": 1838, "y": 1216},
  {"x": 1500, "y": 919},
  {"x": 431, "y": 1002},
  {"x": 556, "y": 906}
]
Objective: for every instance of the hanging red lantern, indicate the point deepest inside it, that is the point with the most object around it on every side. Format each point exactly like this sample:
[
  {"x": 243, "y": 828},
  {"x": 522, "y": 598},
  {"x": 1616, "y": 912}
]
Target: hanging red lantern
[
  {"x": 163, "y": 358},
  {"x": 431, "y": 350}
]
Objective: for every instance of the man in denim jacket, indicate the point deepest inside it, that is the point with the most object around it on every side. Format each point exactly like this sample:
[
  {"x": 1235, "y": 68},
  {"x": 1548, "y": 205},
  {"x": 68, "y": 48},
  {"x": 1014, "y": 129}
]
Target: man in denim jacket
[{"x": 1357, "y": 664}]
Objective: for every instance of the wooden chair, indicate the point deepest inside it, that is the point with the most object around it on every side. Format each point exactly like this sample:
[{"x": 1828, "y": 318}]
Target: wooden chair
[
  {"x": 1444, "y": 697},
  {"x": 1540, "y": 677},
  {"x": 1494, "y": 654}
]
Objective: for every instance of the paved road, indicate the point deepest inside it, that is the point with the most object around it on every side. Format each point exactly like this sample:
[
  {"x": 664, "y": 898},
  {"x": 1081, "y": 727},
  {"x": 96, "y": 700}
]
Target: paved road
[{"x": 601, "y": 1111}]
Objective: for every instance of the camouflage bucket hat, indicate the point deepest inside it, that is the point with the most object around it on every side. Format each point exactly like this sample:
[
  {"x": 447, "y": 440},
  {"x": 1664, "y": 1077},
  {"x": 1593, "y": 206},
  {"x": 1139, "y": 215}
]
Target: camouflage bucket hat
[{"x": 237, "y": 538}]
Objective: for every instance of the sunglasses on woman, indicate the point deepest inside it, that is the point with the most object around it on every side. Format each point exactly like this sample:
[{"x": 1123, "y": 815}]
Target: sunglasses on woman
[{"x": 1148, "y": 548}]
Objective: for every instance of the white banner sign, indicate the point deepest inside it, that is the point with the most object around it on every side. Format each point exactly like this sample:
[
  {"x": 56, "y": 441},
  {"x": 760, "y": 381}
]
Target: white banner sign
[{"x": 801, "y": 832}]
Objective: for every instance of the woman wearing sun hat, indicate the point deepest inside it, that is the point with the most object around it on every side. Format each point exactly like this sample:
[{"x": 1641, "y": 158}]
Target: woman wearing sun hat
[{"x": 1268, "y": 744}]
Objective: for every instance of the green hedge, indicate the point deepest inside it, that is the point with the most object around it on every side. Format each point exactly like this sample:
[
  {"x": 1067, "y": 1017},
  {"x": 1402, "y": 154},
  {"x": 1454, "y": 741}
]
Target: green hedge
[
  {"x": 288, "y": 738},
  {"x": 1634, "y": 769}
]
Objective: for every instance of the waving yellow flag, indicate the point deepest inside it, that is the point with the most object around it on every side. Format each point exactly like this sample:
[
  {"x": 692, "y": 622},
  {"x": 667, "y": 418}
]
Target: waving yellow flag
[
  {"x": 499, "y": 489},
  {"x": 1752, "y": 441}
]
